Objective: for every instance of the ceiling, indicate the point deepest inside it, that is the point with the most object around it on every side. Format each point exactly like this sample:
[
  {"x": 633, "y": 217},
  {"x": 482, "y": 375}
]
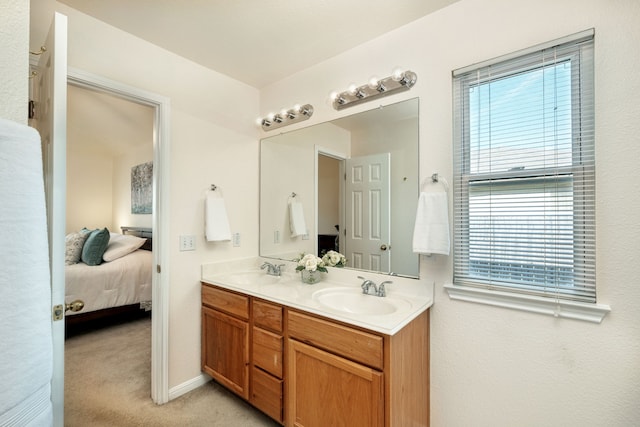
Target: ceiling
[
  {"x": 254, "y": 41},
  {"x": 104, "y": 124}
]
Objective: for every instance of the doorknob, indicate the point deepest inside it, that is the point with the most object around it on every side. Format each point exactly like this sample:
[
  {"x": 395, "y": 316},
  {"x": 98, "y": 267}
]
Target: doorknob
[
  {"x": 74, "y": 306},
  {"x": 384, "y": 247}
]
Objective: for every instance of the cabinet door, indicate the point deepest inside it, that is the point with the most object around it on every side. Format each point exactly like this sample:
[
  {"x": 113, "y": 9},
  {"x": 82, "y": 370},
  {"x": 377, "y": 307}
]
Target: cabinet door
[
  {"x": 225, "y": 350},
  {"x": 327, "y": 390}
]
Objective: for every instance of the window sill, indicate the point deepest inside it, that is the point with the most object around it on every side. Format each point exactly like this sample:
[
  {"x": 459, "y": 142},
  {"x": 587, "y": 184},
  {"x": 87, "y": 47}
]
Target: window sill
[{"x": 566, "y": 309}]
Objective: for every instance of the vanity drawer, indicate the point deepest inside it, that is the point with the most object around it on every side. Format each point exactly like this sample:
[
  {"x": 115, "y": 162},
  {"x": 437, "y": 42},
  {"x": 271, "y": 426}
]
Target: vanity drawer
[
  {"x": 267, "y": 315},
  {"x": 266, "y": 394},
  {"x": 351, "y": 343},
  {"x": 267, "y": 351},
  {"x": 229, "y": 302}
]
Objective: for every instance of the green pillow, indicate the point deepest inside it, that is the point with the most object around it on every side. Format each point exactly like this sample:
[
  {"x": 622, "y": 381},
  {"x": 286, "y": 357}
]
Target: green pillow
[{"x": 95, "y": 246}]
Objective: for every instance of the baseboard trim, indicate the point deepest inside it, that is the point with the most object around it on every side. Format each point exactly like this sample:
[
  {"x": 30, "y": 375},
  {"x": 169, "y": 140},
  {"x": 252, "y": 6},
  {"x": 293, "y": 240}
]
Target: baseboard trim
[{"x": 188, "y": 386}]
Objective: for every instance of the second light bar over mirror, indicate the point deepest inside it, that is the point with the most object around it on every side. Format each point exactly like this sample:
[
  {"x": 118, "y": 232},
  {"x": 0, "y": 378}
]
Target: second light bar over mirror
[{"x": 399, "y": 81}]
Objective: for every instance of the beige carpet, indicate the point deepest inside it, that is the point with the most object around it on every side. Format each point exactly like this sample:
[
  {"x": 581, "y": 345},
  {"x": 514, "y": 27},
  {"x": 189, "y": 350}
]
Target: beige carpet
[{"x": 107, "y": 383}]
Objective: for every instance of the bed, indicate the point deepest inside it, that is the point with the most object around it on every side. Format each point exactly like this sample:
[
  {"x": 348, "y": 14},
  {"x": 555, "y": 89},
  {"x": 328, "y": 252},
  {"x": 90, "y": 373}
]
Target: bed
[{"x": 117, "y": 288}]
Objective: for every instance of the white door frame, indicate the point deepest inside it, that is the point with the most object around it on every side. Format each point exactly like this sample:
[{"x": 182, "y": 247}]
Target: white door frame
[{"x": 160, "y": 219}]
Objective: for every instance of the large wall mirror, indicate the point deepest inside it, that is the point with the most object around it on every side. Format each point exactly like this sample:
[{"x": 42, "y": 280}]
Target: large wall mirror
[{"x": 349, "y": 185}]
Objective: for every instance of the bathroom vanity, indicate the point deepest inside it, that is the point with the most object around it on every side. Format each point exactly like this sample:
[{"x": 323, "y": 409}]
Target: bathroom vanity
[{"x": 305, "y": 356}]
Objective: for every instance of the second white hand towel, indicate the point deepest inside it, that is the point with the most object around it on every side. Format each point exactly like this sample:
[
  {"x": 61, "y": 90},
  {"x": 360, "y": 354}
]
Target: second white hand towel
[
  {"x": 216, "y": 221},
  {"x": 296, "y": 219},
  {"x": 431, "y": 231}
]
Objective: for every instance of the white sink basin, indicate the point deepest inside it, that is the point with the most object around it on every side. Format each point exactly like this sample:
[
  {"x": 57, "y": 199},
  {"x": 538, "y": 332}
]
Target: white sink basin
[{"x": 352, "y": 300}]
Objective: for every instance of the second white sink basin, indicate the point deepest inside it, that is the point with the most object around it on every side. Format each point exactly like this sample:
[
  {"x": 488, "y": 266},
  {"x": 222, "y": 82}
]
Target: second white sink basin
[{"x": 352, "y": 300}]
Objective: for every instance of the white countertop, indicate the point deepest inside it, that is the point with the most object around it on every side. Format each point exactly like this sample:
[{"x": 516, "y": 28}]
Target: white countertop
[{"x": 244, "y": 275}]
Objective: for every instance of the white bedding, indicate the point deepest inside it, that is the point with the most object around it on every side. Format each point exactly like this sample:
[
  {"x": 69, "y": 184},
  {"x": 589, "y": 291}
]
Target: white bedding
[{"x": 123, "y": 281}]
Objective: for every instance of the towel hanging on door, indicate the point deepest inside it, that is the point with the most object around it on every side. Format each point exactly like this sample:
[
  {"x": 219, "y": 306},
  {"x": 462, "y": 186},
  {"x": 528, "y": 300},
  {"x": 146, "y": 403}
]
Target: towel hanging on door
[{"x": 25, "y": 324}]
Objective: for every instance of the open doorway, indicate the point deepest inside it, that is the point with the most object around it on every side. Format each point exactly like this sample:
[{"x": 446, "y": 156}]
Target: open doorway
[
  {"x": 157, "y": 108},
  {"x": 330, "y": 201},
  {"x": 108, "y": 139}
]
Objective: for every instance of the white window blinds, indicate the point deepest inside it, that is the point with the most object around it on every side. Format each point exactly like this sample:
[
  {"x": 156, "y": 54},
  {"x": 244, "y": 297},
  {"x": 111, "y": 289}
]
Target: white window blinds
[{"x": 524, "y": 173}]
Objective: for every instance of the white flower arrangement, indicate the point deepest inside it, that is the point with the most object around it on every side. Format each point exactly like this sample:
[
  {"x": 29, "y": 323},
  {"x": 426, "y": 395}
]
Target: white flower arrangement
[
  {"x": 311, "y": 262},
  {"x": 334, "y": 259}
]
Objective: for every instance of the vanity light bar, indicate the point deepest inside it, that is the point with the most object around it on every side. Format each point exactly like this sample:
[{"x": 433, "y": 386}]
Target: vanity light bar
[
  {"x": 286, "y": 117},
  {"x": 400, "y": 81}
]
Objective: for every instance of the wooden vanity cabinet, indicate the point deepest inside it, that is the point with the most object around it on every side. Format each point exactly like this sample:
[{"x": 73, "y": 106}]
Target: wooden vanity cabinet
[
  {"x": 306, "y": 370},
  {"x": 225, "y": 338}
]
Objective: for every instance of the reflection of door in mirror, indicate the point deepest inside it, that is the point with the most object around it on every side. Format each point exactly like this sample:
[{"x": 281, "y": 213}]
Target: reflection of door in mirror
[
  {"x": 368, "y": 212},
  {"x": 329, "y": 203}
]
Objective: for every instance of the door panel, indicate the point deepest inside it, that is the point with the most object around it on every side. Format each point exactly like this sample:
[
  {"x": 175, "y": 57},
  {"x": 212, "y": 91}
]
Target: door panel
[
  {"x": 51, "y": 122},
  {"x": 368, "y": 212}
]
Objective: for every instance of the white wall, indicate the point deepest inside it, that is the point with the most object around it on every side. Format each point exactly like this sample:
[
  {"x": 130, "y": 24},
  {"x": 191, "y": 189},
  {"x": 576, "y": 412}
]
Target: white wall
[
  {"x": 14, "y": 67},
  {"x": 89, "y": 190},
  {"x": 212, "y": 125},
  {"x": 493, "y": 366}
]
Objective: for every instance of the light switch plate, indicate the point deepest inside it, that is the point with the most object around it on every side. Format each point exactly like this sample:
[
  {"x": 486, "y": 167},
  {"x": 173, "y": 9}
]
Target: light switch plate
[{"x": 187, "y": 243}]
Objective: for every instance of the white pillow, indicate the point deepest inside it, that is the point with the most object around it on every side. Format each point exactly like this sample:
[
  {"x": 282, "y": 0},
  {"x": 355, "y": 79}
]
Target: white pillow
[
  {"x": 73, "y": 247},
  {"x": 121, "y": 245}
]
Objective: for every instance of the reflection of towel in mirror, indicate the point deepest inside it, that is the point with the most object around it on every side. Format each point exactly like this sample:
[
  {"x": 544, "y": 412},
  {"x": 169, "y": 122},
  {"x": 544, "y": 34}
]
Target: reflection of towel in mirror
[
  {"x": 216, "y": 220},
  {"x": 296, "y": 219},
  {"x": 431, "y": 231}
]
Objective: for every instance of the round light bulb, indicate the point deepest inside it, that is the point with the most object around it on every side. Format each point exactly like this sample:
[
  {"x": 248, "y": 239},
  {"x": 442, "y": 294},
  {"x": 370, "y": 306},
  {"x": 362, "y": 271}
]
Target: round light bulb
[
  {"x": 353, "y": 88},
  {"x": 259, "y": 121},
  {"x": 373, "y": 82},
  {"x": 296, "y": 108},
  {"x": 271, "y": 116},
  {"x": 397, "y": 73}
]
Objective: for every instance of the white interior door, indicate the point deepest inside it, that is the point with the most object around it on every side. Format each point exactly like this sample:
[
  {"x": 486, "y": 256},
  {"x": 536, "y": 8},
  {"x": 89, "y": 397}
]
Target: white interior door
[
  {"x": 368, "y": 212},
  {"x": 50, "y": 94}
]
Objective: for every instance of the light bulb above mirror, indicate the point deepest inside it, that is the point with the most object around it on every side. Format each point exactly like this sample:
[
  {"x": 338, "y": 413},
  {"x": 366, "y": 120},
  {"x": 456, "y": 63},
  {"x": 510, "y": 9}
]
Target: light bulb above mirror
[
  {"x": 399, "y": 81},
  {"x": 285, "y": 117}
]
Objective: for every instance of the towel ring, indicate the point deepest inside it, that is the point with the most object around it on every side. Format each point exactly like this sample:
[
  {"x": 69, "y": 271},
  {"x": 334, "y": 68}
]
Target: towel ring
[{"x": 436, "y": 178}]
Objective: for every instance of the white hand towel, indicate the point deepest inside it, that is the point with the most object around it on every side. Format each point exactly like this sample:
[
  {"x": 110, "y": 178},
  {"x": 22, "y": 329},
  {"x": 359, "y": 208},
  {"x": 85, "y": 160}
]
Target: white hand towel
[
  {"x": 25, "y": 324},
  {"x": 216, "y": 221},
  {"x": 431, "y": 231},
  {"x": 296, "y": 219}
]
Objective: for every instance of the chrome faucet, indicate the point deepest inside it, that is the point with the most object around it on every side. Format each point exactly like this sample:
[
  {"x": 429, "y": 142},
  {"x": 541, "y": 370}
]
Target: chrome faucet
[
  {"x": 378, "y": 291},
  {"x": 272, "y": 270}
]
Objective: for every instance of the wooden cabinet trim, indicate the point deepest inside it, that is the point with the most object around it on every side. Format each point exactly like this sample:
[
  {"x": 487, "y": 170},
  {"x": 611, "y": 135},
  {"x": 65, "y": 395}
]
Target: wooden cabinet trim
[
  {"x": 227, "y": 301},
  {"x": 267, "y": 394},
  {"x": 267, "y": 351},
  {"x": 354, "y": 344},
  {"x": 267, "y": 315}
]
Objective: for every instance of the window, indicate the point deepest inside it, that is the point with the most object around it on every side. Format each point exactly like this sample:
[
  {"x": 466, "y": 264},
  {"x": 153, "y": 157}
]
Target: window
[{"x": 524, "y": 173}]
